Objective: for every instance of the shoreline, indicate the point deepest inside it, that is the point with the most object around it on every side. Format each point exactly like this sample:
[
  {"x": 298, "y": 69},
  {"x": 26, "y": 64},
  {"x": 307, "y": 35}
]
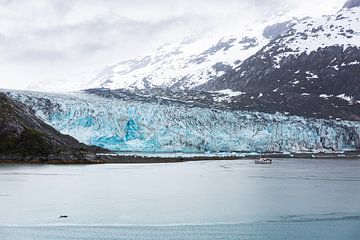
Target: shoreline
[{"x": 136, "y": 159}]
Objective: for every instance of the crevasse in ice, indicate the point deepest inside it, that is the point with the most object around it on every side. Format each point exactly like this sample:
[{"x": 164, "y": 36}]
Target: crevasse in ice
[{"x": 142, "y": 126}]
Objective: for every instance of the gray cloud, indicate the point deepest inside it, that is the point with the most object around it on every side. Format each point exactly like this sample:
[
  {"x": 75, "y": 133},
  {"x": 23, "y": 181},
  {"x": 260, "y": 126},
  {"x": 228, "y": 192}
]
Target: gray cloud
[{"x": 82, "y": 39}]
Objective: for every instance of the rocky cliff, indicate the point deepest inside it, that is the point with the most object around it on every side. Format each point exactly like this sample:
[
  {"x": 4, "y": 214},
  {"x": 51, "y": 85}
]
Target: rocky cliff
[{"x": 25, "y": 138}]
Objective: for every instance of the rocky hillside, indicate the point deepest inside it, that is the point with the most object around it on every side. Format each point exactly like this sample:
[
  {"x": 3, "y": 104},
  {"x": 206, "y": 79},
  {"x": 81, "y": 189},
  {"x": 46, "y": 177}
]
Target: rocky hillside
[
  {"x": 25, "y": 138},
  {"x": 312, "y": 69}
]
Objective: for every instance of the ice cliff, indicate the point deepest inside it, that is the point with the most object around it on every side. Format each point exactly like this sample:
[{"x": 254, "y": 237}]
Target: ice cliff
[{"x": 150, "y": 126}]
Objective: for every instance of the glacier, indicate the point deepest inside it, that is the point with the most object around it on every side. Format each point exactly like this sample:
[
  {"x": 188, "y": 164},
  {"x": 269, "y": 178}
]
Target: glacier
[{"x": 139, "y": 126}]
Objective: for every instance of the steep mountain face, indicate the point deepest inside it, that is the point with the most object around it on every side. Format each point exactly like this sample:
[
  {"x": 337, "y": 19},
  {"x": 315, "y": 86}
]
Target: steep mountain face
[
  {"x": 123, "y": 122},
  {"x": 311, "y": 69},
  {"x": 23, "y": 137}
]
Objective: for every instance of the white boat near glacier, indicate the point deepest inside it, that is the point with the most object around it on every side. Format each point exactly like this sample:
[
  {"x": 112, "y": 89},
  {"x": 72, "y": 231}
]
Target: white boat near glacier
[{"x": 263, "y": 161}]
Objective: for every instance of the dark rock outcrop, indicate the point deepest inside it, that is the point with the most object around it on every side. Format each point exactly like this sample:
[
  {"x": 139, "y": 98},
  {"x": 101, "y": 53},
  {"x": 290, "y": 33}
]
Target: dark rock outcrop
[{"x": 25, "y": 138}]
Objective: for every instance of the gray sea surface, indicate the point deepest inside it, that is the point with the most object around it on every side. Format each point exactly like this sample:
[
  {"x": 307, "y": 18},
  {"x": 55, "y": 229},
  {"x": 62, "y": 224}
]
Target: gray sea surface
[{"x": 290, "y": 199}]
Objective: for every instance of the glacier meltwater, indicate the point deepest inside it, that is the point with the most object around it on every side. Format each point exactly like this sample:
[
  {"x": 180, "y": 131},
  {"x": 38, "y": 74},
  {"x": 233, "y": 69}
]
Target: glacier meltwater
[{"x": 131, "y": 125}]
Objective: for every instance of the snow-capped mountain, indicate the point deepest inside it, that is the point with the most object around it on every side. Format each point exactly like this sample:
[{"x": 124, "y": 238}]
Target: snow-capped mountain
[
  {"x": 191, "y": 63},
  {"x": 311, "y": 69},
  {"x": 184, "y": 65},
  {"x": 307, "y": 47}
]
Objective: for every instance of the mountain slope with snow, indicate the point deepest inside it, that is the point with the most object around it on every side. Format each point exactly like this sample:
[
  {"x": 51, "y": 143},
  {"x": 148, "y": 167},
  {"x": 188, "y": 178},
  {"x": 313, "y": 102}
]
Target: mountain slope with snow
[
  {"x": 312, "y": 66},
  {"x": 183, "y": 65},
  {"x": 331, "y": 38},
  {"x": 191, "y": 63}
]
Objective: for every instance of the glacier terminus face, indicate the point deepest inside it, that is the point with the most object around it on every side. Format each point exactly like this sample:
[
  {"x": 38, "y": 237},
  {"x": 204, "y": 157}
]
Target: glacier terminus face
[{"x": 139, "y": 126}]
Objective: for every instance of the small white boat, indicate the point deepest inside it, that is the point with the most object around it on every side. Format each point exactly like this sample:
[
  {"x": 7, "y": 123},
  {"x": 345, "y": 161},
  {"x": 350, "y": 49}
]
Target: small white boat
[{"x": 263, "y": 161}]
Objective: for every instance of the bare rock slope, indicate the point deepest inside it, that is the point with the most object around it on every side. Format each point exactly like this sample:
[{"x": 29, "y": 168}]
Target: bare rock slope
[{"x": 25, "y": 138}]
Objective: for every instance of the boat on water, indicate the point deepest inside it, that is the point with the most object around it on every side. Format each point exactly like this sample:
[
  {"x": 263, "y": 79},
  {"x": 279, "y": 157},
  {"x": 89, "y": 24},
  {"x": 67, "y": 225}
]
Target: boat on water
[{"x": 263, "y": 161}]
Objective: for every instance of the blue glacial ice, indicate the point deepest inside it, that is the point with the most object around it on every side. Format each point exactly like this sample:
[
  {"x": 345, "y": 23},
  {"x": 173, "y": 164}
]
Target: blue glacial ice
[{"x": 132, "y": 125}]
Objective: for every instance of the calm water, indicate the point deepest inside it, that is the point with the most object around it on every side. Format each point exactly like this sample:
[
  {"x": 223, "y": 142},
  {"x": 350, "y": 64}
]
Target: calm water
[{"x": 291, "y": 199}]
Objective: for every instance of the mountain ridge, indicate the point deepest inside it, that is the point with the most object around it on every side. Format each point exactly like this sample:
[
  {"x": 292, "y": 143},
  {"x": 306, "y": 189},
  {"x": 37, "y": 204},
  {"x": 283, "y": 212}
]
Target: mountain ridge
[{"x": 291, "y": 73}]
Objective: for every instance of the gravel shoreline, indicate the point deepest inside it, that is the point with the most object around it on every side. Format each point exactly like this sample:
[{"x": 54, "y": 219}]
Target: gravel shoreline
[{"x": 135, "y": 159}]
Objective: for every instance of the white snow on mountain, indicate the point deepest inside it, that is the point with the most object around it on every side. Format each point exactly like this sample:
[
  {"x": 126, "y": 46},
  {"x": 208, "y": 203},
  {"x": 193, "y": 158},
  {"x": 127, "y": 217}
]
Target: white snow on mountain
[
  {"x": 346, "y": 98},
  {"x": 226, "y": 95},
  {"x": 189, "y": 63},
  {"x": 341, "y": 29},
  {"x": 325, "y": 96},
  {"x": 229, "y": 92}
]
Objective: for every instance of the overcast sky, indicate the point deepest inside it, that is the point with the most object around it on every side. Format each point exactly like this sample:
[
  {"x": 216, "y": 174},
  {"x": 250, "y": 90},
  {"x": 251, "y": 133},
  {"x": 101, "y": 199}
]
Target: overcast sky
[{"x": 59, "y": 41}]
